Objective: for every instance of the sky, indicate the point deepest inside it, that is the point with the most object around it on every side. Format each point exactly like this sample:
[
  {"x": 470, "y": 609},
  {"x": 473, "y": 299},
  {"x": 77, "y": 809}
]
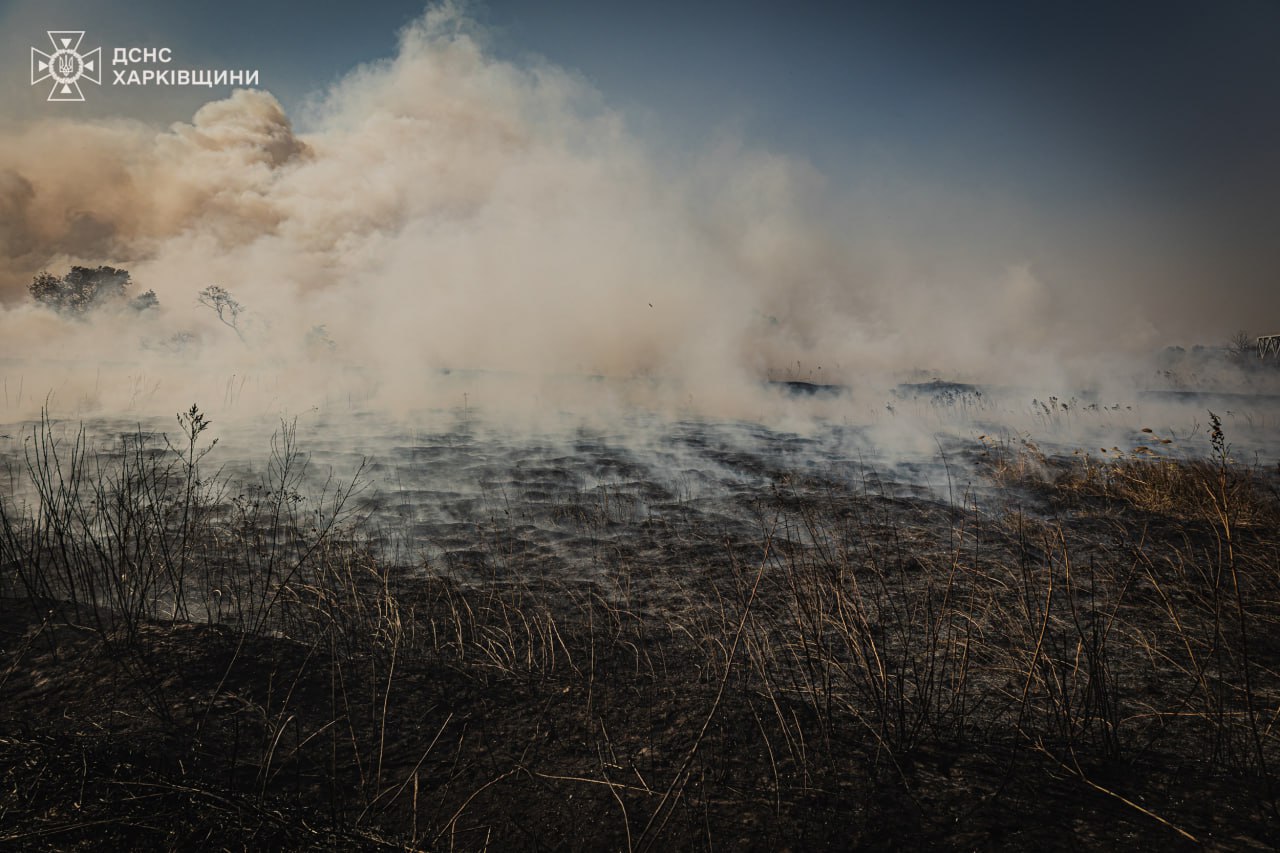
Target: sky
[
  {"x": 1043, "y": 93},
  {"x": 1127, "y": 154}
]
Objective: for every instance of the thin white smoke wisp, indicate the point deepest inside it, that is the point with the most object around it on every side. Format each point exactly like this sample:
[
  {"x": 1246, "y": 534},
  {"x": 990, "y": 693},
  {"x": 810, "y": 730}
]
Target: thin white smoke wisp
[{"x": 459, "y": 229}]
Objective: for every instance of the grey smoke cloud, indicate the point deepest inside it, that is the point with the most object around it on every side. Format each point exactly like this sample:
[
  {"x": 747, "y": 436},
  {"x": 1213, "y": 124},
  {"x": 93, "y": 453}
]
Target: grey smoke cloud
[{"x": 450, "y": 209}]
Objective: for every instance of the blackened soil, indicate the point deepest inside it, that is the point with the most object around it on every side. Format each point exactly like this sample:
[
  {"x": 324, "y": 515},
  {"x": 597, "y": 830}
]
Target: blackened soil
[{"x": 708, "y": 645}]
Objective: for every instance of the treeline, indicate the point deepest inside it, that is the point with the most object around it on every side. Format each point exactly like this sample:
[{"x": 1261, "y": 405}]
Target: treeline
[{"x": 84, "y": 290}]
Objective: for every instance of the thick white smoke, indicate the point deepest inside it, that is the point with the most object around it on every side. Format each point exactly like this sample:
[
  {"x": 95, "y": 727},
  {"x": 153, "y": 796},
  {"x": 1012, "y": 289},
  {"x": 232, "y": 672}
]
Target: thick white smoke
[{"x": 451, "y": 210}]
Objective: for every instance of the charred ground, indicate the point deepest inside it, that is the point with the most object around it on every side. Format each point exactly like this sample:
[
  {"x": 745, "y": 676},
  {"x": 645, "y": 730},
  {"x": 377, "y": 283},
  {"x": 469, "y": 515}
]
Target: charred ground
[{"x": 730, "y": 638}]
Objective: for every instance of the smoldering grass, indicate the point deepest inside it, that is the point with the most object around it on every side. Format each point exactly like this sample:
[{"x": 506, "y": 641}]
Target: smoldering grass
[{"x": 798, "y": 659}]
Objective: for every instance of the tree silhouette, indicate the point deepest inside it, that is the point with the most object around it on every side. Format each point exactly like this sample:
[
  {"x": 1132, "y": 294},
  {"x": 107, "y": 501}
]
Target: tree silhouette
[
  {"x": 227, "y": 308},
  {"x": 1241, "y": 345},
  {"x": 144, "y": 301},
  {"x": 82, "y": 290}
]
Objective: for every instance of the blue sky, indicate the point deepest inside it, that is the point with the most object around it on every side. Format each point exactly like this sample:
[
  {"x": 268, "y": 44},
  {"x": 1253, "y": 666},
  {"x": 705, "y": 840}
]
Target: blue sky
[{"x": 977, "y": 89}]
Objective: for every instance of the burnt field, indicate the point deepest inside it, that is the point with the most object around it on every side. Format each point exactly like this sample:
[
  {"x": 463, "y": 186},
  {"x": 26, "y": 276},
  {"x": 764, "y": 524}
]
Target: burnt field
[{"x": 664, "y": 634}]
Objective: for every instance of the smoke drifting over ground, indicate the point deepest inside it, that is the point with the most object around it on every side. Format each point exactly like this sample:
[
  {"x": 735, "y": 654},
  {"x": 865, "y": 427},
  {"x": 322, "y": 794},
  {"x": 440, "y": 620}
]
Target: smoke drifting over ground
[
  {"x": 450, "y": 210},
  {"x": 574, "y": 491}
]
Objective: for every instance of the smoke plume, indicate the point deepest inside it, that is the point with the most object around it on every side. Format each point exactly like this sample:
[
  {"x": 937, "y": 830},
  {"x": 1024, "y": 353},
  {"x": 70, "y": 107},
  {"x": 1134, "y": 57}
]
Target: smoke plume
[{"x": 448, "y": 210}]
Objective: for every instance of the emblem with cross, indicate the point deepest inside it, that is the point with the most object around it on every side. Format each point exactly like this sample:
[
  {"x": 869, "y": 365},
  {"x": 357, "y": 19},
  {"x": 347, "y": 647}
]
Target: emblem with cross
[{"x": 66, "y": 66}]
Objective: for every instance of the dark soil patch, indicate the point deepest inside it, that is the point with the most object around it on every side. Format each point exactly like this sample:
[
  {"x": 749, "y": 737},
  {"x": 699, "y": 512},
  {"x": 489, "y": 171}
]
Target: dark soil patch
[
  {"x": 694, "y": 647},
  {"x": 187, "y": 736}
]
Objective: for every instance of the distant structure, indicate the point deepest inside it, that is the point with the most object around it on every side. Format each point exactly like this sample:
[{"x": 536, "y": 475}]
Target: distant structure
[{"x": 1269, "y": 346}]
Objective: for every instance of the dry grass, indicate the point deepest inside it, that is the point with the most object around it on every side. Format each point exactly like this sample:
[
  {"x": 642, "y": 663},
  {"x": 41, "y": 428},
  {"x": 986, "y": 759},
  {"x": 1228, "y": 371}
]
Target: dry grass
[
  {"x": 1144, "y": 479},
  {"x": 235, "y": 666}
]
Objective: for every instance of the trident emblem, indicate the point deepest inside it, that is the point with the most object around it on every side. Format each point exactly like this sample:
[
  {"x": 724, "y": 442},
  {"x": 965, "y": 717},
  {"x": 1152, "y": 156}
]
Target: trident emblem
[{"x": 66, "y": 65}]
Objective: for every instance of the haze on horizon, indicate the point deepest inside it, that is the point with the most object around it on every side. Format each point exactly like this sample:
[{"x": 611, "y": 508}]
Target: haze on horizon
[{"x": 997, "y": 191}]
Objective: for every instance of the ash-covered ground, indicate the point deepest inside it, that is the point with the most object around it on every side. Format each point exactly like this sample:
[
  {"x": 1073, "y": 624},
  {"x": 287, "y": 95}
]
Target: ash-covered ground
[{"x": 947, "y": 616}]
